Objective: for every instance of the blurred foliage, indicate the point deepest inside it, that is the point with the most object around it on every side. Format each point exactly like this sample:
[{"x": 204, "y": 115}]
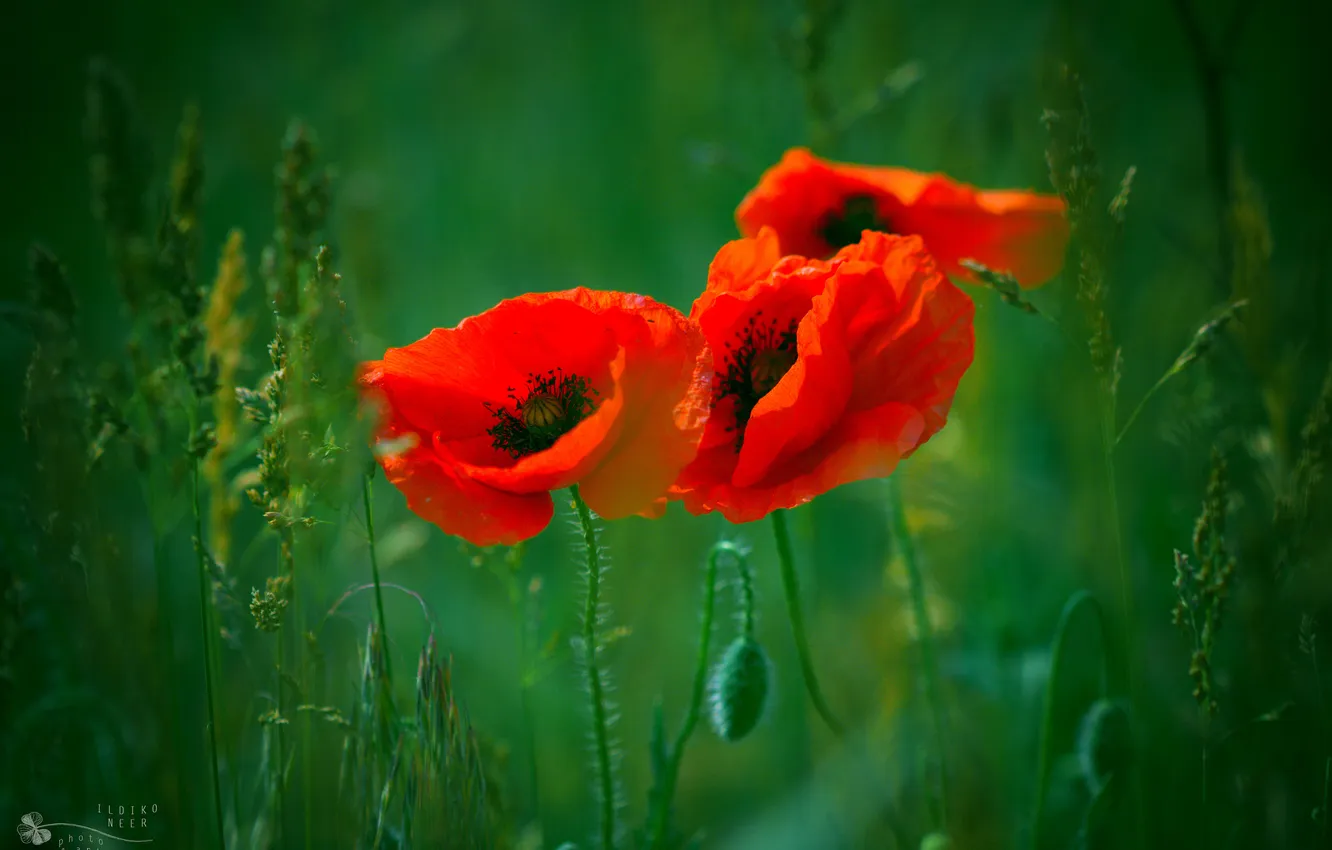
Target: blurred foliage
[{"x": 478, "y": 151}]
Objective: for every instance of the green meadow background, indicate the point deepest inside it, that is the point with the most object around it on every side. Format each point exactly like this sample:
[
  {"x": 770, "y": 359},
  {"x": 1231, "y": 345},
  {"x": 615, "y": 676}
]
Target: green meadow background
[{"x": 483, "y": 150}]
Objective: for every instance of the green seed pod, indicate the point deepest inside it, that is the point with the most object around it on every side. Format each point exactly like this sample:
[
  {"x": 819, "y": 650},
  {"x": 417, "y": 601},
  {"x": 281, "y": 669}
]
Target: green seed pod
[
  {"x": 1105, "y": 742},
  {"x": 936, "y": 841},
  {"x": 739, "y": 689}
]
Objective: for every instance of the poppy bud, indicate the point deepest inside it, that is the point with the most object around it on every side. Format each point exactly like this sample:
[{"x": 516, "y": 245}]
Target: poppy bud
[
  {"x": 739, "y": 689},
  {"x": 1105, "y": 742}
]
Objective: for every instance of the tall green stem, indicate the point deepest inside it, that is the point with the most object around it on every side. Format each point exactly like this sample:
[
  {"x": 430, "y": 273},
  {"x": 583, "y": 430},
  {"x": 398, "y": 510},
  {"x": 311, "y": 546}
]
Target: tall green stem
[
  {"x": 307, "y": 730},
  {"x": 287, "y": 568},
  {"x": 1108, "y": 440},
  {"x": 791, "y": 584},
  {"x": 205, "y": 616},
  {"x": 596, "y": 686},
  {"x": 925, "y": 635},
  {"x": 1045, "y": 759},
  {"x": 374, "y": 570},
  {"x": 1127, "y": 648}
]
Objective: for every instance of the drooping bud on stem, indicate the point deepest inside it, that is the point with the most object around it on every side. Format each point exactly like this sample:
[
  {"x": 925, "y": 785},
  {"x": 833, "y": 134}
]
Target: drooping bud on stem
[{"x": 739, "y": 689}]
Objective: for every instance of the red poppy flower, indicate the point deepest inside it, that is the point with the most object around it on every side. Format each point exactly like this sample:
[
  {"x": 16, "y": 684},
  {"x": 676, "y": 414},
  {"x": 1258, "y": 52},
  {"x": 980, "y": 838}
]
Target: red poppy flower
[
  {"x": 827, "y": 371},
  {"x": 818, "y": 207},
  {"x": 601, "y": 389}
]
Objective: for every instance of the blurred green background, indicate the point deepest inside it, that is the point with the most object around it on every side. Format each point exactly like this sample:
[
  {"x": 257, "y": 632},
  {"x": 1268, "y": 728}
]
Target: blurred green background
[{"x": 482, "y": 150}]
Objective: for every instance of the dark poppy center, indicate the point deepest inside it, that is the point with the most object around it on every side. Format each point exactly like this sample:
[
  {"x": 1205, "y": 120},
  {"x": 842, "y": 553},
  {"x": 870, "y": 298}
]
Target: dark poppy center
[
  {"x": 548, "y": 408},
  {"x": 843, "y": 227},
  {"x": 763, "y": 351}
]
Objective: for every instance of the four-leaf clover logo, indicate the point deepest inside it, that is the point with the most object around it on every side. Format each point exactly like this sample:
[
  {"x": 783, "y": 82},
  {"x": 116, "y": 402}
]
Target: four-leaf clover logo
[{"x": 31, "y": 831}]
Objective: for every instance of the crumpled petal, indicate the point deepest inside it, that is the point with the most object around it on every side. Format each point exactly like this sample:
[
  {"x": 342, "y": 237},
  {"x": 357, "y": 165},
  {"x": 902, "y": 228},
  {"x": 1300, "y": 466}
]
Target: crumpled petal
[{"x": 881, "y": 345}]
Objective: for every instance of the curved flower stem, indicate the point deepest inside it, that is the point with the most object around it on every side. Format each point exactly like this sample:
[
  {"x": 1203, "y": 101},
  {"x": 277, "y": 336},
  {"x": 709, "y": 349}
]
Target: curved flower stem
[
  {"x": 661, "y": 815},
  {"x": 925, "y": 634},
  {"x": 791, "y": 584},
  {"x": 595, "y": 683},
  {"x": 1045, "y": 758},
  {"x": 374, "y": 571},
  {"x": 205, "y": 613}
]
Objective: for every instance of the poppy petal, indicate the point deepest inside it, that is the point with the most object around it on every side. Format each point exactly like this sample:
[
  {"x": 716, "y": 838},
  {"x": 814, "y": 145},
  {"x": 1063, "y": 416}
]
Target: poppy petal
[
  {"x": 793, "y": 197},
  {"x": 881, "y": 344},
  {"x": 805, "y": 403},
  {"x": 443, "y": 381},
  {"x": 1022, "y": 233},
  {"x": 909, "y": 329},
  {"x": 668, "y": 405},
  {"x": 868, "y": 444},
  {"x": 743, "y": 262},
  {"x": 459, "y": 505}
]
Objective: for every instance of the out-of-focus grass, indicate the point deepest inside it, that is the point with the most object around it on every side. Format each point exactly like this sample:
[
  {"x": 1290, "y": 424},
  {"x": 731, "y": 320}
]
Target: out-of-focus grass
[{"x": 487, "y": 150}]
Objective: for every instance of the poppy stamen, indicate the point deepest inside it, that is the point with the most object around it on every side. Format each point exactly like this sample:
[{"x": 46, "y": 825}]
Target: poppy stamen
[
  {"x": 550, "y": 408},
  {"x": 763, "y": 354},
  {"x": 843, "y": 227}
]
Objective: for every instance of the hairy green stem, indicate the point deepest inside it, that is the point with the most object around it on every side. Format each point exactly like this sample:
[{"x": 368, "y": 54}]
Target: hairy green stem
[
  {"x": 595, "y": 685},
  {"x": 925, "y": 635},
  {"x": 661, "y": 815},
  {"x": 1045, "y": 758},
  {"x": 205, "y": 616},
  {"x": 791, "y": 585}
]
